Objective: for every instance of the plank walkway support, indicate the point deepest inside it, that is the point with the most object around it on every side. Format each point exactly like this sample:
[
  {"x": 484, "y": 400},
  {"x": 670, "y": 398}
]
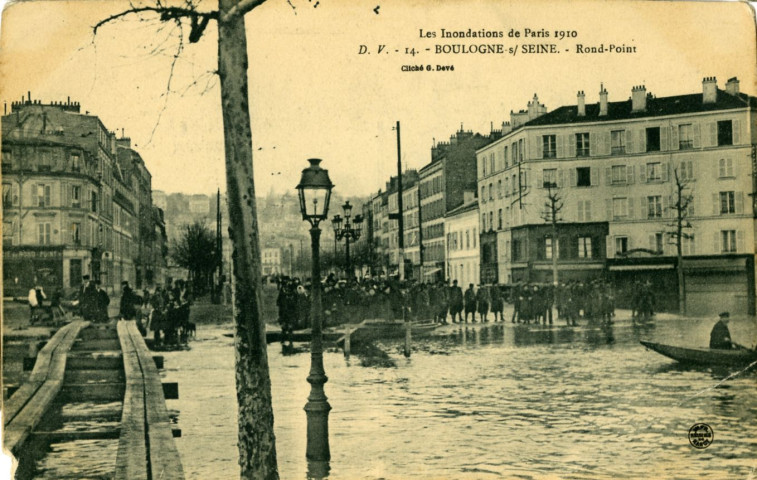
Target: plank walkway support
[
  {"x": 24, "y": 410},
  {"x": 146, "y": 449}
]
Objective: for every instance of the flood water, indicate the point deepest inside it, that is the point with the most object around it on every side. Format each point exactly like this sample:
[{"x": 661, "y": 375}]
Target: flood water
[{"x": 491, "y": 401}]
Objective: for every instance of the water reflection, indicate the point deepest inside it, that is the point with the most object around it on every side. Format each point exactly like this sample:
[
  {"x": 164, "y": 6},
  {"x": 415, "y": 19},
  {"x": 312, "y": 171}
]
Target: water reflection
[
  {"x": 318, "y": 470},
  {"x": 479, "y": 401}
]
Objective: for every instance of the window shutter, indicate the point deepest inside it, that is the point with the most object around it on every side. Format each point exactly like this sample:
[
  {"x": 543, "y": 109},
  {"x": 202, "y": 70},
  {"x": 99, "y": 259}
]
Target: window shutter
[
  {"x": 669, "y": 208},
  {"x": 691, "y": 207},
  {"x": 739, "y": 201},
  {"x": 630, "y": 173},
  {"x": 734, "y": 167},
  {"x": 608, "y": 208},
  {"x": 697, "y": 135},
  {"x": 736, "y": 128},
  {"x": 716, "y": 242},
  {"x": 629, "y": 203},
  {"x": 608, "y": 175},
  {"x": 594, "y": 176},
  {"x": 580, "y": 211},
  {"x": 537, "y": 147},
  {"x": 642, "y": 173},
  {"x": 560, "y": 178},
  {"x": 630, "y": 243},
  {"x": 573, "y": 177},
  {"x": 740, "y": 240},
  {"x": 610, "y": 243},
  {"x": 587, "y": 210},
  {"x": 629, "y": 142},
  {"x": 593, "y": 144},
  {"x": 674, "y": 141},
  {"x": 664, "y": 139},
  {"x": 606, "y": 142},
  {"x": 571, "y": 145},
  {"x": 712, "y": 139},
  {"x": 664, "y": 174},
  {"x": 560, "y": 146},
  {"x": 652, "y": 242},
  {"x": 642, "y": 140},
  {"x": 539, "y": 178},
  {"x": 715, "y": 204}
]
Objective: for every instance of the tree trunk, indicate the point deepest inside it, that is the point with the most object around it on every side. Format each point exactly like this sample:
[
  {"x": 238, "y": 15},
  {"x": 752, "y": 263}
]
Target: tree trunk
[{"x": 257, "y": 447}]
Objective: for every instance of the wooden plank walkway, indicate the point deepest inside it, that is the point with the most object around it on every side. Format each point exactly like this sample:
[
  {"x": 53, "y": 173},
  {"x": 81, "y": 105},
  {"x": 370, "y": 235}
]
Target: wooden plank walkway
[
  {"x": 146, "y": 448},
  {"x": 25, "y": 408}
]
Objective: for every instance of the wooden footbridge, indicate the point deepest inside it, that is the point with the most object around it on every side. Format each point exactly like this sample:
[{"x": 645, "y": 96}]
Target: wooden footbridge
[{"x": 97, "y": 384}]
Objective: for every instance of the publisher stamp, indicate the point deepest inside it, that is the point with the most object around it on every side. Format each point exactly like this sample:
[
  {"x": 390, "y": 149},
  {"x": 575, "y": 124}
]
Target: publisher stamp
[{"x": 701, "y": 435}]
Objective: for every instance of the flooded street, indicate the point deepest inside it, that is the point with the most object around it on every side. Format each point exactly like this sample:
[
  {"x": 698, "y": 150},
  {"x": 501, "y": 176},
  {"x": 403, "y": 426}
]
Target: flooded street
[{"x": 488, "y": 401}]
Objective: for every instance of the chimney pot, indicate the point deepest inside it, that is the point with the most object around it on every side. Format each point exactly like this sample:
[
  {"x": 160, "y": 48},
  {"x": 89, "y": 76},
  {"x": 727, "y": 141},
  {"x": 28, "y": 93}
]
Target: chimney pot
[
  {"x": 602, "y": 101},
  {"x": 732, "y": 86},
  {"x": 709, "y": 90},
  {"x": 581, "y": 100},
  {"x": 639, "y": 98}
]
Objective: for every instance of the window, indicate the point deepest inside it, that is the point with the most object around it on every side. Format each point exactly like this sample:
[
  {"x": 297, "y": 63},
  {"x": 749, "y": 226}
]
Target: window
[
  {"x": 654, "y": 171},
  {"x": 549, "y": 178},
  {"x": 653, "y": 139},
  {"x": 657, "y": 242},
  {"x": 584, "y": 210},
  {"x": 584, "y": 247},
  {"x": 45, "y": 161},
  {"x": 483, "y": 165},
  {"x": 93, "y": 197},
  {"x": 507, "y": 159},
  {"x": 686, "y": 170},
  {"x": 618, "y": 142},
  {"x": 491, "y": 192},
  {"x": 483, "y": 222},
  {"x": 549, "y": 146},
  {"x": 583, "y": 176},
  {"x": 467, "y": 239},
  {"x": 619, "y": 207},
  {"x": 515, "y": 184},
  {"x": 507, "y": 186},
  {"x": 483, "y": 194},
  {"x": 688, "y": 247},
  {"x": 491, "y": 220},
  {"x": 725, "y": 132},
  {"x": 42, "y": 196},
  {"x": 76, "y": 233},
  {"x": 582, "y": 144},
  {"x": 654, "y": 206},
  {"x": 621, "y": 245},
  {"x": 520, "y": 151},
  {"x": 727, "y": 204},
  {"x": 619, "y": 176},
  {"x": 499, "y": 217},
  {"x": 8, "y": 231},
  {"x": 515, "y": 153},
  {"x": 499, "y": 188},
  {"x": 43, "y": 231},
  {"x": 10, "y": 195},
  {"x": 474, "y": 238},
  {"x": 685, "y": 137},
  {"x": 548, "y": 248},
  {"x": 728, "y": 241},
  {"x": 75, "y": 196},
  {"x": 725, "y": 167},
  {"x": 7, "y": 160},
  {"x": 75, "y": 162},
  {"x": 491, "y": 163}
]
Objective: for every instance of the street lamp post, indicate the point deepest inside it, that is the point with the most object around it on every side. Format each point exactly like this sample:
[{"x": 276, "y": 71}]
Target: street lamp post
[
  {"x": 344, "y": 230},
  {"x": 314, "y": 191}
]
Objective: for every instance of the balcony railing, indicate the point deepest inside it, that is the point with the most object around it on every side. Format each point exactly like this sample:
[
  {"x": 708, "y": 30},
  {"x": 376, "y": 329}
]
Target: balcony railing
[
  {"x": 619, "y": 150},
  {"x": 582, "y": 152},
  {"x": 685, "y": 144}
]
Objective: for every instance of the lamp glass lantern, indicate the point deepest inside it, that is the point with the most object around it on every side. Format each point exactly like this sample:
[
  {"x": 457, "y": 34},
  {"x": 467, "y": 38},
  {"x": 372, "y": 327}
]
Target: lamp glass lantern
[
  {"x": 358, "y": 223},
  {"x": 336, "y": 222},
  {"x": 314, "y": 191},
  {"x": 347, "y": 209}
]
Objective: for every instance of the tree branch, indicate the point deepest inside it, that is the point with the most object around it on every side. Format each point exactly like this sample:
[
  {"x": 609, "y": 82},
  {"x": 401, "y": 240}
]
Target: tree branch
[
  {"x": 199, "y": 19},
  {"x": 241, "y": 8}
]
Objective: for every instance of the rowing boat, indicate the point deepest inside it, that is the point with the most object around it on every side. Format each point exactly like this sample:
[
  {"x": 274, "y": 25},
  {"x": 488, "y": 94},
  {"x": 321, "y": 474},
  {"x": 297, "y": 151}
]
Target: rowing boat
[{"x": 704, "y": 356}]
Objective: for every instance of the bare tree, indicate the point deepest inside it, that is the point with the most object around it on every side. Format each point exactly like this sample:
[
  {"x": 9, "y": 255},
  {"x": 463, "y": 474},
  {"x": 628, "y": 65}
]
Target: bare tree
[
  {"x": 256, "y": 441},
  {"x": 679, "y": 228},
  {"x": 551, "y": 214}
]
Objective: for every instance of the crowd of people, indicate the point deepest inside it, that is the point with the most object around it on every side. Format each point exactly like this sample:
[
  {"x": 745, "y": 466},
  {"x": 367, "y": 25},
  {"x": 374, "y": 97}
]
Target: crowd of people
[{"x": 356, "y": 300}]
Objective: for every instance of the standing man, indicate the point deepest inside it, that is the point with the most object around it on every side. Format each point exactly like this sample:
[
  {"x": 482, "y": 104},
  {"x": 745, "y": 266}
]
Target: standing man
[
  {"x": 127, "y": 308},
  {"x": 456, "y": 301},
  {"x": 720, "y": 336},
  {"x": 470, "y": 303},
  {"x": 102, "y": 302}
]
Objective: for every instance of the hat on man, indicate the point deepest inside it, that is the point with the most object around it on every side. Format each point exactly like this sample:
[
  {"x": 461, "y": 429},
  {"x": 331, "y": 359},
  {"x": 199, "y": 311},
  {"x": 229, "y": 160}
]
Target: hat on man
[{"x": 724, "y": 315}]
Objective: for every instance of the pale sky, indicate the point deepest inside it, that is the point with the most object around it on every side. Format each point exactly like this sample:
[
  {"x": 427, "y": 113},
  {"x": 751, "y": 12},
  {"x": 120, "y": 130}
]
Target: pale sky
[{"x": 313, "y": 95}]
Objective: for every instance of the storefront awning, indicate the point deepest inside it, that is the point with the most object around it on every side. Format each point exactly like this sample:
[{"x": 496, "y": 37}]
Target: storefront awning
[{"x": 615, "y": 268}]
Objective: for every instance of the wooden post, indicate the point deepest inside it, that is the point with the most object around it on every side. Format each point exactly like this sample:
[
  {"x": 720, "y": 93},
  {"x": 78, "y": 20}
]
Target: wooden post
[
  {"x": 408, "y": 334},
  {"x": 347, "y": 332}
]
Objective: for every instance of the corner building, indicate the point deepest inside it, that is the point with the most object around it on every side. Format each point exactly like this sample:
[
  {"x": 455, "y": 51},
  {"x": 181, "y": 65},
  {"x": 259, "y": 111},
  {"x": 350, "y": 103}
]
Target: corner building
[{"x": 613, "y": 166}]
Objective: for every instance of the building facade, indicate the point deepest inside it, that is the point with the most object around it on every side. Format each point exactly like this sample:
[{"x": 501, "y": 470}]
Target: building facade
[
  {"x": 69, "y": 208},
  {"x": 623, "y": 164},
  {"x": 462, "y": 243}
]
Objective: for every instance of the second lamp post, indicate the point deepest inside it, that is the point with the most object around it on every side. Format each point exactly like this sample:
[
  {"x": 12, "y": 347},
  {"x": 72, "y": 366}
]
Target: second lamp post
[{"x": 347, "y": 229}]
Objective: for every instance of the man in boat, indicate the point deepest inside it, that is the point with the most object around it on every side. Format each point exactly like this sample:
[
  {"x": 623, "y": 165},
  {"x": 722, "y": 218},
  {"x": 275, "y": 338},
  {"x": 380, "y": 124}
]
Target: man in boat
[{"x": 720, "y": 337}]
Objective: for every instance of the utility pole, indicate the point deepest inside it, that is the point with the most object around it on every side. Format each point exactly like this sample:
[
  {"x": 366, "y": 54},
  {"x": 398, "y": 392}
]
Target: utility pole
[
  {"x": 420, "y": 234},
  {"x": 399, "y": 206}
]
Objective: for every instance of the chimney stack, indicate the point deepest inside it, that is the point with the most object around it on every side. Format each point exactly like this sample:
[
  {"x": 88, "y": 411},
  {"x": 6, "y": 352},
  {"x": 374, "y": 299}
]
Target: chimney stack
[
  {"x": 639, "y": 98},
  {"x": 709, "y": 90},
  {"x": 732, "y": 86},
  {"x": 581, "y": 100},
  {"x": 602, "y": 101}
]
